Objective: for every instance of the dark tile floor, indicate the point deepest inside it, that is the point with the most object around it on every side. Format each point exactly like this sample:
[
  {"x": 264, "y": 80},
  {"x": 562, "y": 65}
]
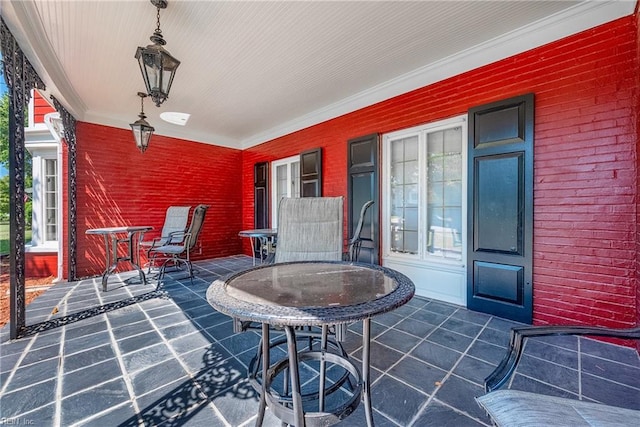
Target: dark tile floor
[{"x": 137, "y": 355}]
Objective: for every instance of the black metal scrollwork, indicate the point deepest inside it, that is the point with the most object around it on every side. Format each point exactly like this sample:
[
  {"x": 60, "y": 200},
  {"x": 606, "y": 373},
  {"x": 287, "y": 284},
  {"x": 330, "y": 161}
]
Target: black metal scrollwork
[
  {"x": 69, "y": 129},
  {"x": 20, "y": 78}
]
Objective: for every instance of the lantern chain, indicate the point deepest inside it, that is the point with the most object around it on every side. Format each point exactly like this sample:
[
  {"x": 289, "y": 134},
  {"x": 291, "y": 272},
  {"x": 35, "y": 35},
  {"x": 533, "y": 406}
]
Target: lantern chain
[{"x": 158, "y": 30}]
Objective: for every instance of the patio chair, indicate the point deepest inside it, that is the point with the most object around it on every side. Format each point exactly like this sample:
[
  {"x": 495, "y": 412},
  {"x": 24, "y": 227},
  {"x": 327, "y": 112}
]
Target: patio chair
[
  {"x": 354, "y": 244},
  {"x": 516, "y": 408},
  {"x": 175, "y": 224},
  {"x": 180, "y": 253},
  {"x": 309, "y": 229}
]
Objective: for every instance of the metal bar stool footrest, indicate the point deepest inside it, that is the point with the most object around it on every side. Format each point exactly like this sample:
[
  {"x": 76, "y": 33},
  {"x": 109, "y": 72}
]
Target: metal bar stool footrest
[
  {"x": 281, "y": 405},
  {"x": 254, "y": 373}
]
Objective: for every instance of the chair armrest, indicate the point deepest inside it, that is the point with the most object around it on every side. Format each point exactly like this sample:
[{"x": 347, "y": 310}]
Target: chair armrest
[
  {"x": 519, "y": 334},
  {"x": 175, "y": 234},
  {"x": 142, "y": 236},
  {"x": 187, "y": 240},
  {"x": 152, "y": 243}
]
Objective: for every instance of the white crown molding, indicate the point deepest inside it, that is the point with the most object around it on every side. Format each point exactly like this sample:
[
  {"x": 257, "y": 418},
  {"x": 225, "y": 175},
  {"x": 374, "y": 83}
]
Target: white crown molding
[
  {"x": 570, "y": 21},
  {"x": 36, "y": 45},
  {"x": 580, "y": 17}
]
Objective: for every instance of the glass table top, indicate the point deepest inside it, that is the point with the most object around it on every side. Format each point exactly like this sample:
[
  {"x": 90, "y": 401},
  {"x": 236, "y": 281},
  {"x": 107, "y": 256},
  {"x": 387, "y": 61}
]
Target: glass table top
[{"x": 310, "y": 285}]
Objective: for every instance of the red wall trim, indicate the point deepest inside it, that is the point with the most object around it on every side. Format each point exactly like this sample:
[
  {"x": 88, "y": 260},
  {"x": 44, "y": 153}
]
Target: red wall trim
[
  {"x": 41, "y": 107},
  {"x": 41, "y": 264},
  {"x": 637, "y": 151}
]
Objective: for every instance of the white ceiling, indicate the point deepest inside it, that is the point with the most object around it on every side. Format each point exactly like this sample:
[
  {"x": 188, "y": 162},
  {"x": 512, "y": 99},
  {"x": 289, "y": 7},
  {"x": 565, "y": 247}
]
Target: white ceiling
[{"x": 253, "y": 71}]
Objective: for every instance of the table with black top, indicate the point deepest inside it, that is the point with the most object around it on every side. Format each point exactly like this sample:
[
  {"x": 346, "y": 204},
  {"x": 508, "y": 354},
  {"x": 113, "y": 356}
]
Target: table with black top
[{"x": 311, "y": 294}]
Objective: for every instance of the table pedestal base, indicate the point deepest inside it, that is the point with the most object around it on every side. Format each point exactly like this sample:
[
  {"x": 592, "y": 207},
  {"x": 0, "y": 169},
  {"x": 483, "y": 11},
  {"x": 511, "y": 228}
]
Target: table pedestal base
[
  {"x": 112, "y": 242},
  {"x": 318, "y": 418},
  {"x": 311, "y": 338},
  {"x": 293, "y": 407}
]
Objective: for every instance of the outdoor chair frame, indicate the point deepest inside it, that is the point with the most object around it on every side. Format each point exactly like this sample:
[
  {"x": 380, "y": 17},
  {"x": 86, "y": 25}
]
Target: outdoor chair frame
[
  {"x": 173, "y": 230},
  {"x": 180, "y": 254},
  {"x": 355, "y": 243},
  {"x": 309, "y": 229},
  {"x": 515, "y": 408}
]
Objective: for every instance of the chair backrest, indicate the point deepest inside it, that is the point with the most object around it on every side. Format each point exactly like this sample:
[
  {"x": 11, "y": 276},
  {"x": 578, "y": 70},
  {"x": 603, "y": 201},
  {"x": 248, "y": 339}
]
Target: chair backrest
[
  {"x": 197, "y": 219},
  {"x": 358, "y": 230},
  {"x": 175, "y": 222},
  {"x": 310, "y": 229},
  {"x": 353, "y": 246}
]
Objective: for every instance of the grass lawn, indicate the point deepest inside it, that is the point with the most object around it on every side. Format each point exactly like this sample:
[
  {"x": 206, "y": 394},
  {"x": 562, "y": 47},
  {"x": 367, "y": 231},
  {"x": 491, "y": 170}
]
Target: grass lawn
[{"x": 4, "y": 237}]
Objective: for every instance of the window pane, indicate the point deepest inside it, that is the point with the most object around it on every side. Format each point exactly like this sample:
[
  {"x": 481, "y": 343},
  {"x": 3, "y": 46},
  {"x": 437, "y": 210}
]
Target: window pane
[
  {"x": 435, "y": 172},
  {"x": 411, "y": 195},
  {"x": 411, "y": 148},
  {"x": 434, "y": 153},
  {"x": 281, "y": 177},
  {"x": 452, "y": 140},
  {"x": 444, "y": 189},
  {"x": 405, "y": 189},
  {"x": 452, "y": 193},
  {"x": 397, "y": 172},
  {"x": 397, "y": 151},
  {"x": 50, "y": 199},
  {"x": 397, "y": 241},
  {"x": 295, "y": 179},
  {"x": 435, "y": 143},
  {"x": 397, "y": 198},
  {"x": 453, "y": 167},
  {"x": 452, "y": 247},
  {"x": 411, "y": 219},
  {"x": 411, "y": 242},
  {"x": 411, "y": 172},
  {"x": 285, "y": 177}
]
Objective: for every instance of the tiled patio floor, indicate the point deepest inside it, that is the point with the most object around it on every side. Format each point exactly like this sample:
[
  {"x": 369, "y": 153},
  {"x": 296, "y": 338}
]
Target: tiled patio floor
[{"x": 139, "y": 356}]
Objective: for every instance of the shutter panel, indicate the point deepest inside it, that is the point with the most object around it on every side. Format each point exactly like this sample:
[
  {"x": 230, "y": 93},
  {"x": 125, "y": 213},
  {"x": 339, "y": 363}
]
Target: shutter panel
[
  {"x": 311, "y": 173},
  {"x": 362, "y": 185},
  {"x": 500, "y": 220}
]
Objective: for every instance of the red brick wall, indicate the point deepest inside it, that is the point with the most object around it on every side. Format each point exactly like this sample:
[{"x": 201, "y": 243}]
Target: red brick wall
[
  {"x": 40, "y": 107},
  {"x": 585, "y": 184},
  {"x": 584, "y": 260},
  {"x": 118, "y": 185},
  {"x": 637, "y": 66},
  {"x": 41, "y": 264}
]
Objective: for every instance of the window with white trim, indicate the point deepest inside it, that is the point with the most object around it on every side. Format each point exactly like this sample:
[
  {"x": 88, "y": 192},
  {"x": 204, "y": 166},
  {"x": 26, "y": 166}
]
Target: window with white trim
[
  {"x": 51, "y": 199},
  {"x": 424, "y": 216},
  {"x": 285, "y": 179}
]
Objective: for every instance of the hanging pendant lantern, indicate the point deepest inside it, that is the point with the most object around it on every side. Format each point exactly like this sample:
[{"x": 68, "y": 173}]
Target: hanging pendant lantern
[
  {"x": 157, "y": 66},
  {"x": 142, "y": 130}
]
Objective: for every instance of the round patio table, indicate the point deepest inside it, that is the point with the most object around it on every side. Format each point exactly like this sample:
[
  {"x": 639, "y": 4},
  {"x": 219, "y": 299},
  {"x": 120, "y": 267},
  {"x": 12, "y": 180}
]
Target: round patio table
[
  {"x": 112, "y": 239},
  {"x": 266, "y": 237},
  {"x": 301, "y": 294}
]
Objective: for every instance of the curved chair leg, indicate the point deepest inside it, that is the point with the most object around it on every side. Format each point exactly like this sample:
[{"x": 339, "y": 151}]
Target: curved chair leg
[
  {"x": 353, "y": 249},
  {"x": 519, "y": 334}
]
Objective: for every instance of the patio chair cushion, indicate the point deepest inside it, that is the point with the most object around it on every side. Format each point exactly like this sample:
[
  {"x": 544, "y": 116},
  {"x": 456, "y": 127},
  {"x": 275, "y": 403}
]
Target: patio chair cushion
[
  {"x": 175, "y": 224},
  {"x": 175, "y": 254},
  {"x": 515, "y": 408},
  {"x": 170, "y": 249},
  {"x": 310, "y": 229}
]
